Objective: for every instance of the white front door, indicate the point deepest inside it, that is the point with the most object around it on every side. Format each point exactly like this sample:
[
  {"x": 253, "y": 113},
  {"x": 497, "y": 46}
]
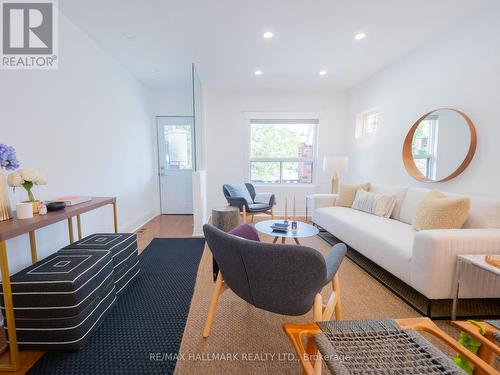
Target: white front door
[{"x": 176, "y": 163}]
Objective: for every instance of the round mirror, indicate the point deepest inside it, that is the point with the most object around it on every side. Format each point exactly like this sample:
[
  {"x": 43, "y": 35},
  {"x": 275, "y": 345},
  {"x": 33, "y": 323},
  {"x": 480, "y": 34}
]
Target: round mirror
[{"x": 440, "y": 145}]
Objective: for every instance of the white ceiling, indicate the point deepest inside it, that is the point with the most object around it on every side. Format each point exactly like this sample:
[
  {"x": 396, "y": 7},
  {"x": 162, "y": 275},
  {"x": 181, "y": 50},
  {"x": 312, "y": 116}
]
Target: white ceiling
[{"x": 224, "y": 37}]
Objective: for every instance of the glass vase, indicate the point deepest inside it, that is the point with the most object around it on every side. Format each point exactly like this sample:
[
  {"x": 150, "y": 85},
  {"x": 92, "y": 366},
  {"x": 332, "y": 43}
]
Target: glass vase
[{"x": 5, "y": 210}]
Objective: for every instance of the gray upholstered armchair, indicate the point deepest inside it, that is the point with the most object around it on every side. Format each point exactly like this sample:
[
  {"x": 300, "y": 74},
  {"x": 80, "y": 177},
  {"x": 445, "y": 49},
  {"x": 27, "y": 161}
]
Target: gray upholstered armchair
[
  {"x": 248, "y": 201},
  {"x": 284, "y": 279}
]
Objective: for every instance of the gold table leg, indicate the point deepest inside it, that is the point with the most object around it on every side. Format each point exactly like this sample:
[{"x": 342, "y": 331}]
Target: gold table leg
[
  {"x": 79, "y": 227},
  {"x": 9, "y": 312},
  {"x": 70, "y": 230},
  {"x": 34, "y": 256},
  {"x": 115, "y": 217}
]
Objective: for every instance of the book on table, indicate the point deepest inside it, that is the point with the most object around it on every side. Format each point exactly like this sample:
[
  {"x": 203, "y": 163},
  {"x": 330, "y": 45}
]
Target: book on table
[
  {"x": 280, "y": 227},
  {"x": 72, "y": 200}
]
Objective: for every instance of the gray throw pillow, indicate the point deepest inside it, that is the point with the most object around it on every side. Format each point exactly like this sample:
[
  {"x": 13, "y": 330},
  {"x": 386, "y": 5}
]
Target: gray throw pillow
[{"x": 239, "y": 191}]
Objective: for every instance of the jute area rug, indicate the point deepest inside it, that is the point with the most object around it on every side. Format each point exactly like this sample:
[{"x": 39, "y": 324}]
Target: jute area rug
[{"x": 246, "y": 340}]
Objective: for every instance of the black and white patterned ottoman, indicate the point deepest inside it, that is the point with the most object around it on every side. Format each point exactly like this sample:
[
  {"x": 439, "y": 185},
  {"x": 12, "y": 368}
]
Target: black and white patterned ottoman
[
  {"x": 60, "y": 300},
  {"x": 123, "y": 248}
]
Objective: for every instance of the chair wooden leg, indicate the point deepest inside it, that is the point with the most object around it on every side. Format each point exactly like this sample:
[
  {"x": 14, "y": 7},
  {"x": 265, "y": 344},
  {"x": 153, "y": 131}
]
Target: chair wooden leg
[
  {"x": 252, "y": 219},
  {"x": 272, "y": 213},
  {"x": 311, "y": 347},
  {"x": 338, "y": 304},
  {"x": 318, "y": 308},
  {"x": 244, "y": 215},
  {"x": 213, "y": 305},
  {"x": 296, "y": 332}
]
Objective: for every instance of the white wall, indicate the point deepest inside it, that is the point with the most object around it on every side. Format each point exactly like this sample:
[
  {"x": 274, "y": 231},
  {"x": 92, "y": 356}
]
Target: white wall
[
  {"x": 228, "y": 137},
  {"x": 460, "y": 69},
  {"x": 173, "y": 101},
  {"x": 87, "y": 126}
]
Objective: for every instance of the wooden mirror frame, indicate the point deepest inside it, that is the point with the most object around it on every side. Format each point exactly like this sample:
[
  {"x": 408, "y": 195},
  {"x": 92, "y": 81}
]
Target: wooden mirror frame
[{"x": 409, "y": 163}]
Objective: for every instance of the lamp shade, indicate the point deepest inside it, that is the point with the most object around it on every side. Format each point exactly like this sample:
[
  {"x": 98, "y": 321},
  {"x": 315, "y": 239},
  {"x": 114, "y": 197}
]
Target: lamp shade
[{"x": 339, "y": 164}]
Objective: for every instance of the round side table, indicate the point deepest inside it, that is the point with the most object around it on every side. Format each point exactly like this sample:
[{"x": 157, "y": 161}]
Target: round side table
[{"x": 303, "y": 230}]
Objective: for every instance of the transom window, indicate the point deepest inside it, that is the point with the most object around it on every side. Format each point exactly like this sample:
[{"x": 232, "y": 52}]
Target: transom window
[
  {"x": 370, "y": 123},
  {"x": 282, "y": 151},
  {"x": 366, "y": 123}
]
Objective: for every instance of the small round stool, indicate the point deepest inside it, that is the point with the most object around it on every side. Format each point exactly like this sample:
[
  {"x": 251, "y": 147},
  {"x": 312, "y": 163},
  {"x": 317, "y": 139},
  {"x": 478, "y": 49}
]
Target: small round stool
[{"x": 225, "y": 218}]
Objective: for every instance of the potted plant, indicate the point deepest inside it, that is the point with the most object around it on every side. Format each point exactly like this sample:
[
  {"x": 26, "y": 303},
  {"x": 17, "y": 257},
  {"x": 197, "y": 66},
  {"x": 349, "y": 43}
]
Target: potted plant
[
  {"x": 27, "y": 178},
  {"x": 8, "y": 161}
]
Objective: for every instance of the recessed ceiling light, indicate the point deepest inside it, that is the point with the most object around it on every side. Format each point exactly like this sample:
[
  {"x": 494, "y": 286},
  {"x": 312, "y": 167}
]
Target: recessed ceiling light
[
  {"x": 322, "y": 72},
  {"x": 268, "y": 35},
  {"x": 258, "y": 72},
  {"x": 129, "y": 35},
  {"x": 360, "y": 36}
]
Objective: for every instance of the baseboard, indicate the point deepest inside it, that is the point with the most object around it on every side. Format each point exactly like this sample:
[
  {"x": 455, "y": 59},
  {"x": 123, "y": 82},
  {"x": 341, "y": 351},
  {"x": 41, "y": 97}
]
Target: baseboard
[
  {"x": 198, "y": 232},
  {"x": 144, "y": 221},
  {"x": 298, "y": 214}
]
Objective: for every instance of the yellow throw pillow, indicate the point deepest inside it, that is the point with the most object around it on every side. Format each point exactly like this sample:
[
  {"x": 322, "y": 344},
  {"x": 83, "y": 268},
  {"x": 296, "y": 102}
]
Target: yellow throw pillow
[
  {"x": 437, "y": 211},
  {"x": 347, "y": 194}
]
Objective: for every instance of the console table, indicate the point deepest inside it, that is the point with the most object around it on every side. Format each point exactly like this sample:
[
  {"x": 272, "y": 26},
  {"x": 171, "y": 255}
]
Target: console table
[{"x": 14, "y": 228}]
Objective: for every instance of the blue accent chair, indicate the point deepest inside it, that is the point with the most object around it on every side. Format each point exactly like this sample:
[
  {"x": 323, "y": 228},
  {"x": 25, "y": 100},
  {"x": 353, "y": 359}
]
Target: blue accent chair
[{"x": 244, "y": 197}]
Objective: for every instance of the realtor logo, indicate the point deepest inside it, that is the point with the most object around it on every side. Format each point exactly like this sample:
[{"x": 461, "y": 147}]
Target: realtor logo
[{"x": 29, "y": 34}]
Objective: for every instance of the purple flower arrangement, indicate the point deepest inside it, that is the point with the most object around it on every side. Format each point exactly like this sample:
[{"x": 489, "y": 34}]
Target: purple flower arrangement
[{"x": 8, "y": 159}]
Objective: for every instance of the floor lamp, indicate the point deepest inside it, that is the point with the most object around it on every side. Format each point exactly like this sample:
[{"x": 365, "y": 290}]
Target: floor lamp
[{"x": 335, "y": 164}]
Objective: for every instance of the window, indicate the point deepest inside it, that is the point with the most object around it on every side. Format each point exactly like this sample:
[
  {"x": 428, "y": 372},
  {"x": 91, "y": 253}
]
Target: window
[
  {"x": 366, "y": 123},
  {"x": 424, "y": 146},
  {"x": 282, "y": 151},
  {"x": 178, "y": 145},
  {"x": 370, "y": 122}
]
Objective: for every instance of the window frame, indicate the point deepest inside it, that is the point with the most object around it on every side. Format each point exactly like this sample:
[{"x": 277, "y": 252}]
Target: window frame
[
  {"x": 312, "y": 118},
  {"x": 431, "y": 155}
]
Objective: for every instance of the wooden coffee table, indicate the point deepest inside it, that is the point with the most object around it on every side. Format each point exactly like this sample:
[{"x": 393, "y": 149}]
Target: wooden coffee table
[
  {"x": 303, "y": 230},
  {"x": 489, "y": 349}
]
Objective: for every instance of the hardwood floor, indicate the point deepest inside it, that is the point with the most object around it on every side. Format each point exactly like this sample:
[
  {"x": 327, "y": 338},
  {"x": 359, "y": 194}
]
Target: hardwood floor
[
  {"x": 161, "y": 226},
  {"x": 164, "y": 226}
]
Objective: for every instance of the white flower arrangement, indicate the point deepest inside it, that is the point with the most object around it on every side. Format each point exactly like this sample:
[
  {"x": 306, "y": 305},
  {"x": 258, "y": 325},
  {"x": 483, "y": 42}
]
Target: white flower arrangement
[{"x": 26, "y": 178}]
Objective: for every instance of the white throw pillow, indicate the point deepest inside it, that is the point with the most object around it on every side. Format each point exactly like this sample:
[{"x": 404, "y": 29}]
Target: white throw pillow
[
  {"x": 409, "y": 206},
  {"x": 376, "y": 204},
  {"x": 398, "y": 191}
]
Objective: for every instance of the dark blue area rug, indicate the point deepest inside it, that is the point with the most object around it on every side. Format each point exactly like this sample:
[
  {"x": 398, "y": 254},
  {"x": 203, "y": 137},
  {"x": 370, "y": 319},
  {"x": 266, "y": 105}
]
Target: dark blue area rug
[{"x": 143, "y": 331}]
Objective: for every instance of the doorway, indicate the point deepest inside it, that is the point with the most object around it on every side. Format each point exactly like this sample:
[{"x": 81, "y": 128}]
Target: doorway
[{"x": 177, "y": 160}]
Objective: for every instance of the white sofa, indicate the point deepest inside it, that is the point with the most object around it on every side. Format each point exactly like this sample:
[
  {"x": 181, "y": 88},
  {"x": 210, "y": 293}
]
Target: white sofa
[{"x": 425, "y": 260}]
